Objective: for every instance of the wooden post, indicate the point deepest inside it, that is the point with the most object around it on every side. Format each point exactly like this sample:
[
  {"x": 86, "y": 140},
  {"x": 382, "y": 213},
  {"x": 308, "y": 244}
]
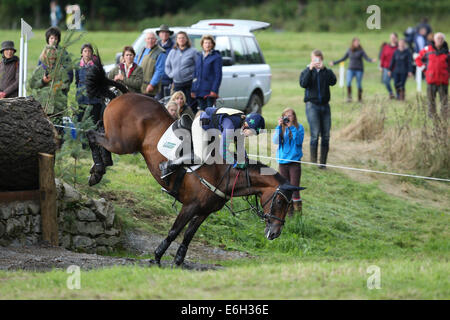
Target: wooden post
[{"x": 47, "y": 189}]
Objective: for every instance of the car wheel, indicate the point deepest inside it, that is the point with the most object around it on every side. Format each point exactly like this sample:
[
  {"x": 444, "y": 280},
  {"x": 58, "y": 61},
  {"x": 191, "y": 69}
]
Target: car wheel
[{"x": 254, "y": 104}]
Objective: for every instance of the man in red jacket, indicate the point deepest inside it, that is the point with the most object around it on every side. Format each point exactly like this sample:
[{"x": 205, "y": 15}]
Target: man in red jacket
[{"x": 436, "y": 58}]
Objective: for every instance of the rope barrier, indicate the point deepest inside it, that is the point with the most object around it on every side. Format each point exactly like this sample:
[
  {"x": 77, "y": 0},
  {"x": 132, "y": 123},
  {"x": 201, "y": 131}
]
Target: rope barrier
[{"x": 356, "y": 169}]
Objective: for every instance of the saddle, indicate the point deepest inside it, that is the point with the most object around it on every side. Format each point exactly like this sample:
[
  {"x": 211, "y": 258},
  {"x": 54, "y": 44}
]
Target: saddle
[{"x": 176, "y": 144}]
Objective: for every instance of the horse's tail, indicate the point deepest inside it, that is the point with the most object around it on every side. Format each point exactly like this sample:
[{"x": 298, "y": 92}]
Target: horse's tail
[{"x": 98, "y": 84}]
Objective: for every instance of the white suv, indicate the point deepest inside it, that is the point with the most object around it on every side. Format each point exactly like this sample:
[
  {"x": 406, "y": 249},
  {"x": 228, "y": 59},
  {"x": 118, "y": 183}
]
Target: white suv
[{"x": 245, "y": 75}]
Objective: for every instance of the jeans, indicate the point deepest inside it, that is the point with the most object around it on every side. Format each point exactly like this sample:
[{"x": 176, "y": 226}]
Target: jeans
[
  {"x": 164, "y": 92},
  {"x": 354, "y": 73},
  {"x": 400, "y": 80},
  {"x": 386, "y": 80},
  {"x": 319, "y": 119}
]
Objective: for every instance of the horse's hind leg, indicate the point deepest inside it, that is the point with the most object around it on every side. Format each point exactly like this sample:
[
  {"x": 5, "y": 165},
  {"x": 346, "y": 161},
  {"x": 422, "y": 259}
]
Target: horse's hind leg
[
  {"x": 182, "y": 219},
  {"x": 188, "y": 235}
]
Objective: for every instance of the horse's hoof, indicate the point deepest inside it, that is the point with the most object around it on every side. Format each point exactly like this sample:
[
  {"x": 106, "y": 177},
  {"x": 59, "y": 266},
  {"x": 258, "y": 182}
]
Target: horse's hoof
[{"x": 95, "y": 178}]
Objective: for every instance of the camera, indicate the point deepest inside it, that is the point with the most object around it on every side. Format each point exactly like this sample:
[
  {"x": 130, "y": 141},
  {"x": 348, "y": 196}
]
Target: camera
[{"x": 285, "y": 120}]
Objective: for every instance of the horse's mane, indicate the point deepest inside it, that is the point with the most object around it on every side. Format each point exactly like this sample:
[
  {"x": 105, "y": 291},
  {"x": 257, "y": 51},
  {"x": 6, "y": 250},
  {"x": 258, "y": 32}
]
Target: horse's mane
[{"x": 258, "y": 166}]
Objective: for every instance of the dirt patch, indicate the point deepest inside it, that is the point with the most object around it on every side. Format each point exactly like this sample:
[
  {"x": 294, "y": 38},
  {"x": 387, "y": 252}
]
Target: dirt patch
[
  {"x": 142, "y": 243},
  {"x": 45, "y": 258}
]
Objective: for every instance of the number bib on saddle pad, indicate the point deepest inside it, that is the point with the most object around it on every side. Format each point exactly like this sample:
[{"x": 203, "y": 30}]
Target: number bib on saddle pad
[{"x": 170, "y": 145}]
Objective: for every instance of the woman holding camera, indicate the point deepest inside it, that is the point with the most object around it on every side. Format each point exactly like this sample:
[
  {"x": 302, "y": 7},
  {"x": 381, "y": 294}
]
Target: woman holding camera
[{"x": 289, "y": 136}]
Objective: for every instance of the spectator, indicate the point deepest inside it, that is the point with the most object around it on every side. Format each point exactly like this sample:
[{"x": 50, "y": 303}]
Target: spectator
[
  {"x": 424, "y": 24},
  {"x": 165, "y": 42},
  {"x": 356, "y": 67},
  {"x": 9, "y": 71},
  {"x": 420, "y": 40},
  {"x": 386, "y": 53},
  {"x": 95, "y": 107},
  {"x": 180, "y": 99},
  {"x": 289, "y": 137},
  {"x": 317, "y": 79},
  {"x": 128, "y": 73},
  {"x": 180, "y": 65},
  {"x": 208, "y": 74},
  {"x": 86, "y": 62},
  {"x": 401, "y": 67},
  {"x": 53, "y": 38},
  {"x": 152, "y": 60},
  {"x": 48, "y": 84},
  {"x": 173, "y": 109},
  {"x": 55, "y": 13},
  {"x": 436, "y": 57}
]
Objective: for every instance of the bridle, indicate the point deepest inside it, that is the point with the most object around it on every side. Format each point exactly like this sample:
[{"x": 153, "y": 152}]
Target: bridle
[{"x": 268, "y": 216}]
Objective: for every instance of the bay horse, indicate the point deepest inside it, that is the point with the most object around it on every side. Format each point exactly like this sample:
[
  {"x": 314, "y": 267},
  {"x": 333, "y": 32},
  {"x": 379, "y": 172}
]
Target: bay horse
[{"x": 135, "y": 123}]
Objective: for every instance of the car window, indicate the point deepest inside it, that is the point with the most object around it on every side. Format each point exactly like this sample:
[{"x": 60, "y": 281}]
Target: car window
[
  {"x": 195, "y": 41},
  {"x": 223, "y": 46},
  {"x": 239, "y": 50},
  {"x": 253, "y": 55}
]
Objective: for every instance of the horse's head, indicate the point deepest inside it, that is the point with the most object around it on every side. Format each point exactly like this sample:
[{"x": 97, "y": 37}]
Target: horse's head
[{"x": 275, "y": 205}]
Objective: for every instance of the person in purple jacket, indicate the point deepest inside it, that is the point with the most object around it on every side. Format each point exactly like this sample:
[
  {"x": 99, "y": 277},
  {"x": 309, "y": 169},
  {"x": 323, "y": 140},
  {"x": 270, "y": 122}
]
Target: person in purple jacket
[{"x": 208, "y": 74}]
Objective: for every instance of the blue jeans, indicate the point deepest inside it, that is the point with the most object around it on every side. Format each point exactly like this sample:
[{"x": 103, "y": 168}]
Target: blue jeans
[
  {"x": 319, "y": 119},
  {"x": 354, "y": 73},
  {"x": 386, "y": 80}
]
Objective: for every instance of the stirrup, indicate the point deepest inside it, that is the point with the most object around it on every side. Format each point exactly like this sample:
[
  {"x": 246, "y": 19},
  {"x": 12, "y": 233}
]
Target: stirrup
[{"x": 165, "y": 170}]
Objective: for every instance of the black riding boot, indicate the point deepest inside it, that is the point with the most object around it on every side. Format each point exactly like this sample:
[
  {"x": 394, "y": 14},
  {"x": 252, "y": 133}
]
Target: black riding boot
[
  {"x": 323, "y": 157},
  {"x": 313, "y": 151},
  {"x": 98, "y": 169}
]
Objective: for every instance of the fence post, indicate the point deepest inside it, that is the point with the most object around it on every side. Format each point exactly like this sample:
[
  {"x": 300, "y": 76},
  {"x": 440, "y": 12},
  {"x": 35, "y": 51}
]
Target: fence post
[{"x": 47, "y": 189}]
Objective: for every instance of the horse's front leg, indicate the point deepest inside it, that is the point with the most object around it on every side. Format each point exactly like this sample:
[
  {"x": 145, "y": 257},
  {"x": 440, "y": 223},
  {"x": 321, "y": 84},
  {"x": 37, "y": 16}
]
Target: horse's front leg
[
  {"x": 182, "y": 219},
  {"x": 188, "y": 235}
]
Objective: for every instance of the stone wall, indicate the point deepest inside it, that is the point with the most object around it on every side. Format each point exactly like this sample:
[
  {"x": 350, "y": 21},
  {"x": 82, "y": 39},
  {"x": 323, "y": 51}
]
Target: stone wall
[{"x": 85, "y": 225}]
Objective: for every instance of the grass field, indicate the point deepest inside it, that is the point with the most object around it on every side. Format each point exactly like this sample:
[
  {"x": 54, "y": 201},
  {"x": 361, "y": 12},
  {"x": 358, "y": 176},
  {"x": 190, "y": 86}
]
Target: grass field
[{"x": 350, "y": 222}]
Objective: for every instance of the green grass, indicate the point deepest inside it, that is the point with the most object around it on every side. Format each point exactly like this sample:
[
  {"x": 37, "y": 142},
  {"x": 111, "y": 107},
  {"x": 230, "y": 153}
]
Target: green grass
[{"x": 346, "y": 227}]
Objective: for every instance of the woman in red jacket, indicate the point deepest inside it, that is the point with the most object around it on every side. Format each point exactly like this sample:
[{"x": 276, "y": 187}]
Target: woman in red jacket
[
  {"x": 386, "y": 54},
  {"x": 436, "y": 58}
]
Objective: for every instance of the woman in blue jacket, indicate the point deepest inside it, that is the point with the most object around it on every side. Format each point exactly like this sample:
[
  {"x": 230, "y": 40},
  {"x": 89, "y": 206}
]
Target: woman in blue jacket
[
  {"x": 289, "y": 136},
  {"x": 208, "y": 74}
]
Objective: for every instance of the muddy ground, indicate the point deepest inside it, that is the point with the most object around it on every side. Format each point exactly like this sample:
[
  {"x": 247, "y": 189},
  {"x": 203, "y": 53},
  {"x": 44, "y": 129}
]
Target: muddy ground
[{"x": 44, "y": 257}]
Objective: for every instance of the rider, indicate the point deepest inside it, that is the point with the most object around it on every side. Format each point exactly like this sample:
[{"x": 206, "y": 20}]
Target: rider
[{"x": 223, "y": 119}]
